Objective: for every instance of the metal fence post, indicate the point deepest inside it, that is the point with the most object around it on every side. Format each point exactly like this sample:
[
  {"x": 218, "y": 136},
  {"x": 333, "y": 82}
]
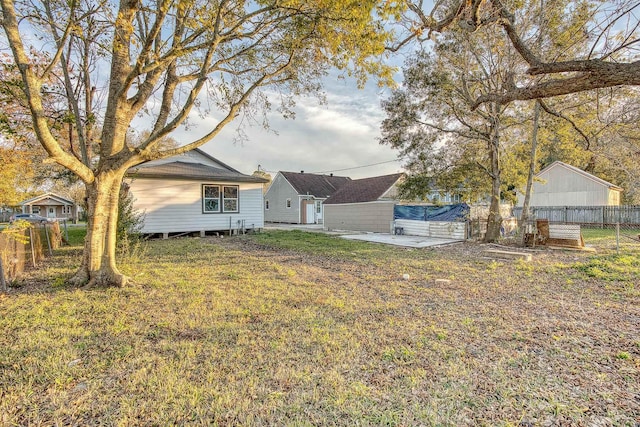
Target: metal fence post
[{"x": 617, "y": 238}]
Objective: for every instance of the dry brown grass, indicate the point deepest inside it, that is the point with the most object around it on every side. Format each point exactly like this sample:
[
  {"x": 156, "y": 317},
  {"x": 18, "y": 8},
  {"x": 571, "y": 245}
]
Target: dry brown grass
[{"x": 299, "y": 329}]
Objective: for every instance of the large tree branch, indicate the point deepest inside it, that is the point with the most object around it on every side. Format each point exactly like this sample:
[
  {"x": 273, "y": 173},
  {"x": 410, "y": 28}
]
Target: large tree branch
[
  {"x": 429, "y": 22},
  {"x": 145, "y": 153},
  {"x": 602, "y": 75},
  {"x": 116, "y": 118},
  {"x": 32, "y": 87},
  {"x": 592, "y": 73},
  {"x": 68, "y": 86}
]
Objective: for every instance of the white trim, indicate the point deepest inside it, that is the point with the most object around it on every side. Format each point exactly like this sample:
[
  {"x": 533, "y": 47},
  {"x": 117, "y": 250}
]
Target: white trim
[{"x": 362, "y": 203}]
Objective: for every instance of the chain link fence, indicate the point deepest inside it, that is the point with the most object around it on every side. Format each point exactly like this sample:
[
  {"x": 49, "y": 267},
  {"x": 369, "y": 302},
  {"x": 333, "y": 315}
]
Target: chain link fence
[
  {"x": 607, "y": 229},
  {"x": 613, "y": 238},
  {"x": 26, "y": 246},
  {"x": 603, "y": 238}
]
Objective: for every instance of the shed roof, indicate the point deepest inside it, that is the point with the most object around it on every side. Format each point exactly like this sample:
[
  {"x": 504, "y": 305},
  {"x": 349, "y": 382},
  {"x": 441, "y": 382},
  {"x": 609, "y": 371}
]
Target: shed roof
[
  {"x": 364, "y": 190},
  {"x": 579, "y": 171},
  {"x": 185, "y": 170},
  {"x": 315, "y": 185}
]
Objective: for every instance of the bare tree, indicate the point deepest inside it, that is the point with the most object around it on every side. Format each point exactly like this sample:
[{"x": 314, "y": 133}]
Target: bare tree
[{"x": 161, "y": 59}]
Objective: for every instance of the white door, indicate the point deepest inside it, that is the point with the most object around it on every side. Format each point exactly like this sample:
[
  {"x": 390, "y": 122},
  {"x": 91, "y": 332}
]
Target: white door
[
  {"x": 310, "y": 210},
  {"x": 51, "y": 212},
  {"x": 319, "y": 211}
]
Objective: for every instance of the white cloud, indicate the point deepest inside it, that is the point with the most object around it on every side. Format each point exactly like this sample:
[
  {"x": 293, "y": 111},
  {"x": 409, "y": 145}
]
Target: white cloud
[{"x": 341, "y": 134}]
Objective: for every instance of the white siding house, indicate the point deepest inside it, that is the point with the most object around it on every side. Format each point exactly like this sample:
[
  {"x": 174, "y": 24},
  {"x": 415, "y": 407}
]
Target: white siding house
[
  {"x": 195, "y": 192},
  {"x": 560, "y": 184}
]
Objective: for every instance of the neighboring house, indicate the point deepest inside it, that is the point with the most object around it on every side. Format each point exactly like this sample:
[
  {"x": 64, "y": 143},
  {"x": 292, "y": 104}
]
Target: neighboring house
[
  {"x": 560, "y": 184},
  {"x": 297, "y": 198},
  {"x": 443, "y": 197},
  {"x": 363, "y": 205},
  {"x": 51, "y": 205},
  {"x": 195, "y": 192}
]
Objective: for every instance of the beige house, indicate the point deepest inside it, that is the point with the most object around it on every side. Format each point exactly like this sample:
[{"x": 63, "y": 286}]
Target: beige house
[
  {"x": 51, "y": 205},
  {"x": 560, "y": 184},
  {"x": 363, "y": 205}
]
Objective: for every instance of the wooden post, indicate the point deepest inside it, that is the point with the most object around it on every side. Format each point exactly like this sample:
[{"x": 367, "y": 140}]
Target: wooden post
[
  {"x": 33, "y": 250},
  {"x": 617, "y": 238},
  {"x": 3, "y": 282},
  {"x": 46, "y": 232}
]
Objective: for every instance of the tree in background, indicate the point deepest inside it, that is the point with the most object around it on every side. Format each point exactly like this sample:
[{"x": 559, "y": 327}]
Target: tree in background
[
  {"x": 16, "y": 176},
  {"x": 117, "y": 61},
  {"x": 25, "y": 173},
  {"x": 563, "y": 49},
  {"x": 261, "y": 173},
  {"x": 431, "y": 119}
]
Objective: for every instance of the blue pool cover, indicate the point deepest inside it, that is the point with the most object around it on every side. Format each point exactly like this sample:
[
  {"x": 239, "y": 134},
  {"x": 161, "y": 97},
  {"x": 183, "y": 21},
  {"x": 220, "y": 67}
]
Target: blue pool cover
[{"x": 457, "y": 212}]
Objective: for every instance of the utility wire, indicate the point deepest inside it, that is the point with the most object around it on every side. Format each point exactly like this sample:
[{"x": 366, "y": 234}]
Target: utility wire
[
  {"x": 359, "y": 167},
  {"x": 340, "y": 170}
]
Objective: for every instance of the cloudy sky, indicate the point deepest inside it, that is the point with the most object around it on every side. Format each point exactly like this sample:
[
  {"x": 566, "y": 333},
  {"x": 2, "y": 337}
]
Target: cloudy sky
[{"x": 340, "y": 136}]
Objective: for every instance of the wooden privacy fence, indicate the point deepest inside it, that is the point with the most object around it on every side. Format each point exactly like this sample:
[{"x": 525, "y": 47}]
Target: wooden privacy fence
[
  {"x": 586, "y": 215},
  {"x": 27, "y": 247}
]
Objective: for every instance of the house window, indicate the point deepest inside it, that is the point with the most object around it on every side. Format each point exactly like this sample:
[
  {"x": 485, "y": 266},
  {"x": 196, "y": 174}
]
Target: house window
[
  {"x": 288, "y": 203},
  {"x": 220, "y": 198},
  {"x": 318, "y": 206},
  {"x": 66, "y": 209},
  {"x": 210, "y": 198},
  {"x": 230, "y": 198},
  {"x": 35, "y": 210},
  {"x": 266, "y": 205}
]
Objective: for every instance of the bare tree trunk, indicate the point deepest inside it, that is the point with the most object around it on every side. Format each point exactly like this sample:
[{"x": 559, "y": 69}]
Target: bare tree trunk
[
  {"x": 98, "y": 266},
  {"x": 524, "y": 217},
  {"x": 494, "y": 221}
]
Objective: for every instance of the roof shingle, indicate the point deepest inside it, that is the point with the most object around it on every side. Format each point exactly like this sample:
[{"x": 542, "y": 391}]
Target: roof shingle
[
  {"x": 315, "y": 185},
  {"x": 364, "y": 190},
  {"x": 186, "y": 170}
]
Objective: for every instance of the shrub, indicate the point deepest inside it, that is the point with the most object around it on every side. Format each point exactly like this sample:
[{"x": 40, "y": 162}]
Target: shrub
[{"x": 130, "y": 220}]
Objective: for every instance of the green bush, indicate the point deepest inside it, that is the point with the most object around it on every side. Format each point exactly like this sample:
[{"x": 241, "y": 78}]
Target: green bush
[{"x": 130, "y": 220}]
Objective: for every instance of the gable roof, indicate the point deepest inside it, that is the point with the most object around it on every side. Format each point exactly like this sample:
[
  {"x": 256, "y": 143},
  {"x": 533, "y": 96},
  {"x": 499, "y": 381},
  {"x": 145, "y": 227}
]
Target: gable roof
[
  {"x": 210, "y": 157},
  {"x": 364, "y": 190},
  {"x": 188, "y": 170},
  {"x": 43, "y": 197},
  {"x": 315, "y": 185},
  {"x": 579, "y": 171}
]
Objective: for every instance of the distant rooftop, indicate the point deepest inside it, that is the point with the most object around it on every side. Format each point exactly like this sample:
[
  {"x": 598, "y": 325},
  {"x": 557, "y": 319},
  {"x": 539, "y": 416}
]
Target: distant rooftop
[
  {"x": 364, "y": 190},
  {"x": 315, "y": 185}
]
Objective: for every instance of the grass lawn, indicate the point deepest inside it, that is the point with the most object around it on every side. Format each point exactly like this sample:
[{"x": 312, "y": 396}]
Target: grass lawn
[{"x": 294, "y": 328}]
